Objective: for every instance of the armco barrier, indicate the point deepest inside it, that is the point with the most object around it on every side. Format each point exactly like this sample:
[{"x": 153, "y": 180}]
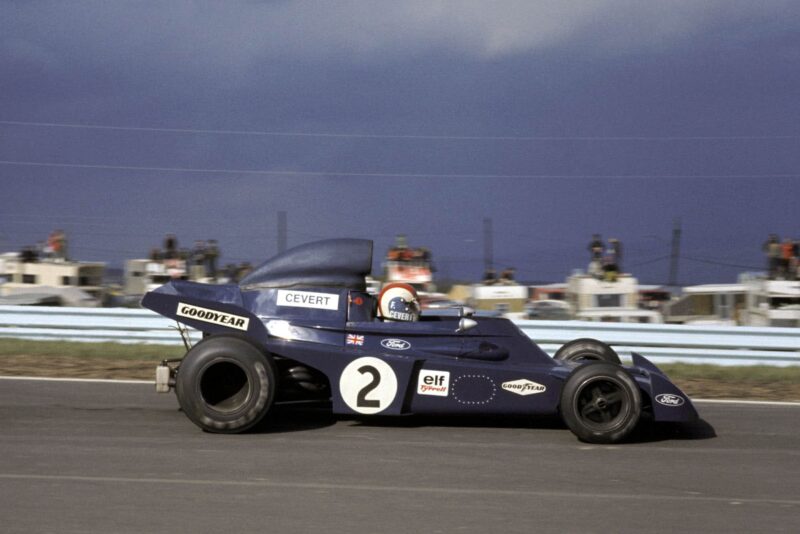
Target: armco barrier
[
  {"x": 121, "y": 325},
  {"x": 661, "y": 343},
  {"x": 721, "y": 345}
]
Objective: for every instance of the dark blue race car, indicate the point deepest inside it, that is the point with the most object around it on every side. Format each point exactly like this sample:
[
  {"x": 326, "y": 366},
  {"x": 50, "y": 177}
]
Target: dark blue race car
[{"x": 302, "y": 327}]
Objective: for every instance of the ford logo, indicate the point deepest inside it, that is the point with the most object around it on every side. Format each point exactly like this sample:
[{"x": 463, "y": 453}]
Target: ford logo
[
  {"x": 668, "y": 399},
  {"x": 395, "y": 344}
]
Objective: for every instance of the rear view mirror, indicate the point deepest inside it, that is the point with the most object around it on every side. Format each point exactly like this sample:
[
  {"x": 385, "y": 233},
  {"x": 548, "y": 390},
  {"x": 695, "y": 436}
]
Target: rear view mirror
[{"x": 465, "y": 324}]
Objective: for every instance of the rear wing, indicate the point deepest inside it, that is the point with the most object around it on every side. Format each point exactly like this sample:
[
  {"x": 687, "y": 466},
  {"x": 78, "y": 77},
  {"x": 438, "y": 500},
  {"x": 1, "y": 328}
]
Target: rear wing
[{"x": 185, "y": 304}]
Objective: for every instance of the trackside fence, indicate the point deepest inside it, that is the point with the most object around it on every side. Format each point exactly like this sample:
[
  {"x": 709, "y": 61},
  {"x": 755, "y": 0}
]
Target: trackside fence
[{"x": 658, "y": 342}]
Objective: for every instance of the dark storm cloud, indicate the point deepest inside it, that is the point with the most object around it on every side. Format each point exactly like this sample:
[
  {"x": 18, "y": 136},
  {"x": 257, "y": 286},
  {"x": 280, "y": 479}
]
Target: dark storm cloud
[
  {"x": 675, "y": 80},
  {"x": 227, "y": 40}
]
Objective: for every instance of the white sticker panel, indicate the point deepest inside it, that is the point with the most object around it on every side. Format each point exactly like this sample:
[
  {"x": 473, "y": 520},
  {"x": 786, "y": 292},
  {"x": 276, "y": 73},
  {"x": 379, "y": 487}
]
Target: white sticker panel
[
  {"x": 308, "y": 299},
  {"x": 368, "y": 385}
]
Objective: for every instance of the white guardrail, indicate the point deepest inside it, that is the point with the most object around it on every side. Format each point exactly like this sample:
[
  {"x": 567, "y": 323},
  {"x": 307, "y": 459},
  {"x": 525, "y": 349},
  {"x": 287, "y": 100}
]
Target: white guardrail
[{"x": 722, "y": 345}]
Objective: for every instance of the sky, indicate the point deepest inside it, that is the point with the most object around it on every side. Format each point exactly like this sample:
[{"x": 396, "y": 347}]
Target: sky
[{"x": 122, "y": 121}]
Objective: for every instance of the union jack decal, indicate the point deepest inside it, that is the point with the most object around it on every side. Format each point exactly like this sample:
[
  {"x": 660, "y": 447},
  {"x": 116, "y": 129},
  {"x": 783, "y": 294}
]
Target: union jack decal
[{"x": 355, "y": 339}]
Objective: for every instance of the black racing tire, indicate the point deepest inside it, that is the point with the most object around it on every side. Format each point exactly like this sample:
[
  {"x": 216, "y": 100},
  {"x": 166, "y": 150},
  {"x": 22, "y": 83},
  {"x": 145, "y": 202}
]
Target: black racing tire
[
  {"x": 601, "y": 403},
  {"x": 225, "y": 384},
  {"x": 587, "y": 349}
]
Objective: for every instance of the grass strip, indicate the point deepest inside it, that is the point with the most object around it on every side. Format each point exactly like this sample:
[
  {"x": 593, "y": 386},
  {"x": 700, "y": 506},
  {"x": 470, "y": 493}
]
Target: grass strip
[
  {"x": 755, "y": 374},
  {"x": 108, "y": 351}
]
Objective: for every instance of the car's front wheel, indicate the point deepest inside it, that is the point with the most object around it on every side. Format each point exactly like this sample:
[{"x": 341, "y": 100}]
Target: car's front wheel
[
  {"x": 601, "y": 403},
  {"x": 587, "y": 349},
  {"x": 226, "y": 384}
]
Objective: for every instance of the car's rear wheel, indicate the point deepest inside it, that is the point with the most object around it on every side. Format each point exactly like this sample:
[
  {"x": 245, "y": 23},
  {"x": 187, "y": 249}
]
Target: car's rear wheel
[
  {"x": 587, "y": 349},
  {"x": 601, "y": 403},
  {"x": 226, "y": 384}
]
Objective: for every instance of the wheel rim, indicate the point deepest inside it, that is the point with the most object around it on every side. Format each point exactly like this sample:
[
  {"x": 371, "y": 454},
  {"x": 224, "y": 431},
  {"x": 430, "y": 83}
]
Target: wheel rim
[
  {"x": 225, "y": 386},
  {"x": 602, "y": 403}
]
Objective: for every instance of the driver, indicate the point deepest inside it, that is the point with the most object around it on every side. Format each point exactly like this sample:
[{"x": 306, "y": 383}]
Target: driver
[{"x": 398, "y": 302}]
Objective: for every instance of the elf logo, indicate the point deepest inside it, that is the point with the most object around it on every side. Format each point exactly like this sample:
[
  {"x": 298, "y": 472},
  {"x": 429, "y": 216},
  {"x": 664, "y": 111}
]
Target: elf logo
[{"x": 435, "y": 383}]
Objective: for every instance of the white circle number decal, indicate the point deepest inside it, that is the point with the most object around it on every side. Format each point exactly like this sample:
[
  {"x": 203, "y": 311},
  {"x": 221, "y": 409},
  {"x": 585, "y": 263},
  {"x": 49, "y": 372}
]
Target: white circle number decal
[{"x": 368, "y": 385}]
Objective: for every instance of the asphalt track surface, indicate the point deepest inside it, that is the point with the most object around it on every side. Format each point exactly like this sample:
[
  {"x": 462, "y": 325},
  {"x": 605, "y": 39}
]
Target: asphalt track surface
[{"x": 117, "y": 457}]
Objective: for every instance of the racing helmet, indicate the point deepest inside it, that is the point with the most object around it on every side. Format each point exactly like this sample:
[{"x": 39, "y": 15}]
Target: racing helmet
[{"x": 398, "y": 302}]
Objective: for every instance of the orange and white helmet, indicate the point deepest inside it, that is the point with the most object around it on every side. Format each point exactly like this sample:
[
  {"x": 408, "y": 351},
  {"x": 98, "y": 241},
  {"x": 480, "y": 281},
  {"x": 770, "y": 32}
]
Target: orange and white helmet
[{"x": 398, "y": 302}]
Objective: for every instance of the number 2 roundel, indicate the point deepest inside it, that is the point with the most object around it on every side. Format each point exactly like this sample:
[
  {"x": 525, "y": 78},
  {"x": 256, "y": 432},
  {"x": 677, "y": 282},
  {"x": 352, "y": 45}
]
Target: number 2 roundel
[{"x": 368, "y": 385}]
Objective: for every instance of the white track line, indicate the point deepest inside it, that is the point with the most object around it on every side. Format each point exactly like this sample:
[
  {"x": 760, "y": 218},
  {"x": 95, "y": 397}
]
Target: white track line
[
  {"x": 370, "y": 488},
  {"x": 98, "y": 380},
  {"x": 735, "y": 401}
]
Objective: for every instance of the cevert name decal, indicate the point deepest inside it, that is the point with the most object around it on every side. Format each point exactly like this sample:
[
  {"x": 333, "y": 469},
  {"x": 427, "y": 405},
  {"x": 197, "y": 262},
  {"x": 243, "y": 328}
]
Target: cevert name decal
[
  {"x": 308, "y": 299},
  {"x": 212, "y": 316}
]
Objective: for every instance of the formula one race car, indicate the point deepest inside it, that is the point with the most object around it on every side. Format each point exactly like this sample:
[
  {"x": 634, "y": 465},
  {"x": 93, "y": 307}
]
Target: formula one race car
[{"x": 302, "y": 327}]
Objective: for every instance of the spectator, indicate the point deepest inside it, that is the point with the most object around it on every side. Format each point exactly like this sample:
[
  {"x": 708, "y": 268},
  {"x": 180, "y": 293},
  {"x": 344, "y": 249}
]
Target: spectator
[
  {"x": 212, "y": 253},
  {"x": 48, "y": 252},
  {"x": 199, "y": 253},
  {"x": 596, "y": 247},
  {"x": 610, "y": 267},
  {"x": 794, "y": 268},
  {"x": 507, "y": 276},
  {"x": 57, "y": 243},
  {"x": 28, "y": 255},
  {"x": 245, "y": 268},
  {"x": 230, "y": 272},
  {"x": 772, "y": 248},
  {"x": 616, "y": 246},
  {"x": 787, "y": 254},
  {"x": 170, "y": 247}
]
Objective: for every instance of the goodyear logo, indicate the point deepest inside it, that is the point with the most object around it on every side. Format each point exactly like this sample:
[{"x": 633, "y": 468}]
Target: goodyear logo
[
  {"x": 523, "y": 387},
  {"x": 207, "y": 315}
]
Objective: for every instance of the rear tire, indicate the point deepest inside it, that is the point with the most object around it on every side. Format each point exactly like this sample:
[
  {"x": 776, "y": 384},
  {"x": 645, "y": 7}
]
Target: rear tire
[
  {"x": 601, "y": 403},
  {"x": 587, "y": 349},
  {"x": 225, "y": 384}
]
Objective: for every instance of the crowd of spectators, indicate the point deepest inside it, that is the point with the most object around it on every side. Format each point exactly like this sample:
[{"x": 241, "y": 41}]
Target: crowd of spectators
[
  {"x": 203, "y": 255},
  {"x": 606, "y": 258},
  {"x": 506, "y": 277},
  {"x": 53, "y": 249},
  {"x": 782, "y": 258}
]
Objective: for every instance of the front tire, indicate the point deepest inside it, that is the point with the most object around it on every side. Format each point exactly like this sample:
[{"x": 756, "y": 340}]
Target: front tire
[
  {"x": 225, "y": 384},
  {"x": 587, "y": 349},
  {"x": 601, "y": 403}
]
